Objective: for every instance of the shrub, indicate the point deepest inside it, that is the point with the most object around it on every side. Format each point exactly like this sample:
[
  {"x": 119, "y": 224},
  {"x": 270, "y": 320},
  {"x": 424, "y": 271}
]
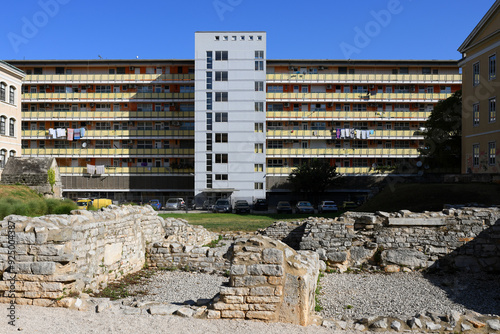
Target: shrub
[
  {"x": 52, "y": 203},
  {"x": 65, "y": 207},
  {"x": 37, "y": 207},
  {"x": 21, "y": 209},
  {"x": 5, "y": 209}
]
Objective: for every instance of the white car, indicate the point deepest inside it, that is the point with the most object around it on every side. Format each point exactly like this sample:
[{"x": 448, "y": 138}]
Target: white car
[
  {"x": 175, "y": 204},
  {"x": 328, "y": 206}
]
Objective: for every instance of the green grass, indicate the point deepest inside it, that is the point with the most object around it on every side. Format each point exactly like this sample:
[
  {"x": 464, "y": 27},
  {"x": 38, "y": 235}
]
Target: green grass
[
  {"x": 220, "y": 222},
  {"x": 431, "y": 197}
]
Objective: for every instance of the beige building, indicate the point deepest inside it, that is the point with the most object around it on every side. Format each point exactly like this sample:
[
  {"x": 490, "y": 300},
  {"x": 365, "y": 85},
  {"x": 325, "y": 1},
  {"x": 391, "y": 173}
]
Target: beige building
[
  {"x": 10, "y": 112},
  {"x": 480, "y": 127}
]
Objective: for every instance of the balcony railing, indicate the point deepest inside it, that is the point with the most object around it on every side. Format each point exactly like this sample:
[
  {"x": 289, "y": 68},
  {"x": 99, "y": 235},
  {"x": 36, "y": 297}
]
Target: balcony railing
[
  {"x": 97, "y": 134},
  {"x": 343, "y": 152},
  {"x": 128, "y": 170},
  {"x": 80, "y": 97},
  {"x": 109, "y": 152},
  {"x": 357, "y": 97},
  {"x": 108, "y": 78},
  {"x": 347, "y": 115},
  {"x": 110, "y": 115},
  {"x": 366, "y": 78},
  {"x": 331, "y": 134},
  {"x": 341, "y": 170}
]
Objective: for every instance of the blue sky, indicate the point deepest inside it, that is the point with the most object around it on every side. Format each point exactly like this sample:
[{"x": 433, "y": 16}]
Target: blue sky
[{"x": 164, "y": 29}]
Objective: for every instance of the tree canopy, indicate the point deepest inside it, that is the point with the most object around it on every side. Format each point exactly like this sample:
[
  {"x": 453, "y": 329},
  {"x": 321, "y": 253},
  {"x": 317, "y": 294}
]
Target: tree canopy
[
  {"x": 313, "y": 177},
  {"x": 443, "y": 133}
]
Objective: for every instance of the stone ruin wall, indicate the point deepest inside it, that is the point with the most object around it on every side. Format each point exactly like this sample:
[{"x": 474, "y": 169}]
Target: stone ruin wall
[
  {"x": 60, "y": 254},
  {"x": 466, "y": 239}
]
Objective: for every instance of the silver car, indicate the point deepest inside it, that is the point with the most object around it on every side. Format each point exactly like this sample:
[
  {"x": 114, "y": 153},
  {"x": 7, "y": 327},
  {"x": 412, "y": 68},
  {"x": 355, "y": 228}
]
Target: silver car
[{"x": 175, "y": 204}]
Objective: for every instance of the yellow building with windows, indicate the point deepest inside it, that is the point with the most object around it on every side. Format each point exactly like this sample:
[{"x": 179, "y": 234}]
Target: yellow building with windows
[{"x": 481, "y": 87}]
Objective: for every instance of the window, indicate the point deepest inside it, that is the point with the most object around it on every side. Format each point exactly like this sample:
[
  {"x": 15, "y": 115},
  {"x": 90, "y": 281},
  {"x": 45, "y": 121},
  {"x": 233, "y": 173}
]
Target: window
[
  {"x": 274, "y": 89},
  {"x": 37, "y": 70},
  {"x": 401, "y": 126},
  {"x": 475, "y": 155},
  {"x": 221, "y": 117},
  {"x": 11, "y": 127},
  {"x": 221, "y": 177},
  {"x": 492, "y": 152},
  {"x": 259, "y": 65},
  {"x": 209, "y": 162},
  {"x": 102, "y": 143},
  {"x": 102, "y": 126},
  {"x": 221, "y": 158},
  {"x": 259, "y": 86},
  {"x": 209, "y": 101},
  {"x": 221, "y": 76},
  {"x": 209, "y": 121},
  {"x": 259, "y": 127},
  {"x": 259, "y": 54},
  {"x": 475, "y": 114},
  {"x": 475, "y": 74},
  {"x": 221, "y": 96},
  {"x": 3, "y": 154},
  {"x": 492, "y": 110},
  {"x": 259, "y": 106},
  {"x": 275, "y": 163},
  {"x": 446, "y": 89},
  {"x": 3, "y": 87},
  {"x": 258, "y": 167},
  {"x": 259, "y": 148},
  {"x": 221, "y": 55},
  {"x": 209, "y": 142},
  {"x": 12, "y": 94},
  {"x": 426, "y": 70},
  {"x": 209, "y": 59},
  {"x": 59, "y": 70},
  {"x": 275, "y": 144},
  {"x": 403, "y": 70},
  {"x": 143, "y": 126},
  {"x": 3, "y": 120},
  {"x": 492, "y": 69},
  {"x": 221, "y": 137},
  {"x": 106, "y": 89},
  {"x": 258, "y": 185},
  {"x": 59, "y": 89},
  {"x": 144, "y": 144}
]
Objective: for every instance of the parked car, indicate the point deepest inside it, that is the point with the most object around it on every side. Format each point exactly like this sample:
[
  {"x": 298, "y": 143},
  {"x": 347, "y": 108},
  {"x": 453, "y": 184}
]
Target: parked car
[
  {"x": 208, "y": 205},
  {"x": 328, "y": 206},
  {"x": 283, "y": 207},
  {"x": 155, "y": 203},
  {"x": 222, "y": 206},
  {"x": 260, "y": 204},
  {"x": 348, "y": 205},
  {"x": 304, "y": 207},
  {"x": 101, "y": 203},
  {"x": 241, "y": 206},
  {"x": 175, "y": 204},
  {"x": 83, "y": 203}
]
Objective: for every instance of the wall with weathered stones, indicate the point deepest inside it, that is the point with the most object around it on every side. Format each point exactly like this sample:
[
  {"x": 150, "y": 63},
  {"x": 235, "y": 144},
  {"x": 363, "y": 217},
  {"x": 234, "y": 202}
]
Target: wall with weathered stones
[
  {"x": 269, "y": 281},
  {"x": 466, "y": 239},
  {"x": 60, "y": 254}
]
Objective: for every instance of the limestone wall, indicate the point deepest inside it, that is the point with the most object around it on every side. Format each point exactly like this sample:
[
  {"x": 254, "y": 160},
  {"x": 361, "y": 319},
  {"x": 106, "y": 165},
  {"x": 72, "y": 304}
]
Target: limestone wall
[
  {"x": 466, "y": 239},
  {"x": 58, "y": 254}
]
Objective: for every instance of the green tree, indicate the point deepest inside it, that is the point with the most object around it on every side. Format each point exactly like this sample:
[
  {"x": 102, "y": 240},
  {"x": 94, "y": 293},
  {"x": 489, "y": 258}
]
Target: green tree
[
  {"x": 313, "y": 177},
  {"x": 443, "y": 143},
  {"x": 51, "y": 178}
]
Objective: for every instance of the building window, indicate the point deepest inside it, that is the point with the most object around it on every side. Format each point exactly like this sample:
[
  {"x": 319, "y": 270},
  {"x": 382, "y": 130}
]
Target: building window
[
  {"x": 3, "y": 154},
  {"x": 403, "y": 70},
  {"x": 259, "y": 127},
  {"x": 12, "y": 94},
  {"x": 259, "y": 86},
  {"x": 209, "y": 101},
  {"x": 475, "y": 114},
  {"x": 492, "y": 110},
  {"x": 475, "y": 155},
  {"x": 221, "y": 76},
  {"x": 221, "y": 55},
  {"x": 221, "y": 177},
  {"x": 274, "y": 89},
  {"x": 209, "y": 162},
  {"x": 209, "y": 121},
  {"x": 143, "y": 144},
  {"x": 209, "y": 181},
  {"x": 492, "y": 71},
  {"x": 259, "y": 65},
  {"x": 3, "y": 121},
  {"x": 221, "y": 137},
  {"x": 221, "y": 158},
  {"x": 259, "y": 106},
  {"x": 492, "y": 152},
  {"x": 209, "y": 59},
  {"x": 106, "y": 144},
  {"x": 209, "y": 142},
  {"x": 221, "y": 96},
  {"x": 259, "y": 54},
  {"x": 3, "y": 87},
  {"x": 221, "y": 117},
  {"x": 258, "y": 185},
  {"x": 259, "y": 148},
  {"x": 107, "y": 89},
  {"x": 209, "y": 80},
  {"x": 12, "y": 124},
  {"x": 258, "y": 168},
  {"x": 426, "y": 70},
  {"x": 475, "y": 74}
]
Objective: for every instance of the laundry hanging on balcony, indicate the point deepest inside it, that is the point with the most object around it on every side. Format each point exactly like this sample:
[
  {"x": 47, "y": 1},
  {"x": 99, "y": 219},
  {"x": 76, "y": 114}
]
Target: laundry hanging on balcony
[
  {"x": 70, "y": 134},
  {"x": 60, "y": 133},
  {"x": 90, "y": 169},
  {"x": 99, "y": 169},
  {"x": 77, "y": 134}
]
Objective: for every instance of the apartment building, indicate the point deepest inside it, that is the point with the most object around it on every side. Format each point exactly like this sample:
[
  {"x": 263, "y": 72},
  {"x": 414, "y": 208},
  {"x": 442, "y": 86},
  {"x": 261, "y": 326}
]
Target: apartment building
[
  {"x": 230, "y": 123},
  {"x": 480, "y": 127},
  {"x": 121, "y": 129},
  {"x": 10, "y": 112}
]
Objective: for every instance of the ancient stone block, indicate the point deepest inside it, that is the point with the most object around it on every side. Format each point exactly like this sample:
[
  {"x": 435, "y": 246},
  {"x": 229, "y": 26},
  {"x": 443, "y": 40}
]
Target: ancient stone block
[
  {"x": 262, "y": 291},
  {"x": 261, "y": 315},
  {"x": 272, "y": 256},
  {"x": 232, "y": 314},
  {"x": 43, "y": 268}
]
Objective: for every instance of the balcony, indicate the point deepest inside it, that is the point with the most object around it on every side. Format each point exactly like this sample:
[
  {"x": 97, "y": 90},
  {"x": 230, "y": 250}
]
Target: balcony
[
  {"x": 285, "y": 171},
  {"x": 357, "y": 97},
  {"x": 109, "y": 152},
  {"x": 66, "y": 171},
  {"x": 118, "y": 134},
  {"x": 331, "y": 134},
  {"x": 366, "y": 78},
  {"x": 108, "y": 78},
  {"x": 107, "y": 115},
  {"x": 347, "y": 115},
  {"x": 342, "y": 152},
  {"x": 91, "y": 97}
]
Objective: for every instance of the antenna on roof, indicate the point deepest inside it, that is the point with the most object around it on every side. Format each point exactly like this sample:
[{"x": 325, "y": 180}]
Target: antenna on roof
[{"x": 99, "y": 56}]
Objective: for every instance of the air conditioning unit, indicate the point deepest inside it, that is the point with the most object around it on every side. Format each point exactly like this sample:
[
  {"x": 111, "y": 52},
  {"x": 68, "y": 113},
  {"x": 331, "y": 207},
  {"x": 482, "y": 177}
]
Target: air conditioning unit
[
  {"x": 131, "y": 68},
  {"x": 328, "y": 86},
  {"x": 286, "y": 105}
]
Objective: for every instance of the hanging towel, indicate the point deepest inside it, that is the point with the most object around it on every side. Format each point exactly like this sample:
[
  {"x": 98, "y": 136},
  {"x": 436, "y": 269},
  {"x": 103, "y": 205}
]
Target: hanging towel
[
  {"x": 52, "y": 133},
  {"x": 347, "y": 133},
  {"x": 342, "y": 133},
  {"x": 76, "y": 134},
  {"x": 60, "y": 133},
  {"x": 70, "y": 134},
  {"x": 363, "y": 134},
  {"x": 100, "y": 169},
  {"x": 91, "y": 169},
  {"x": 338, "y": 133},
  {"x": 82, "y": 132},
  {"x": 372, "y": 132}
]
